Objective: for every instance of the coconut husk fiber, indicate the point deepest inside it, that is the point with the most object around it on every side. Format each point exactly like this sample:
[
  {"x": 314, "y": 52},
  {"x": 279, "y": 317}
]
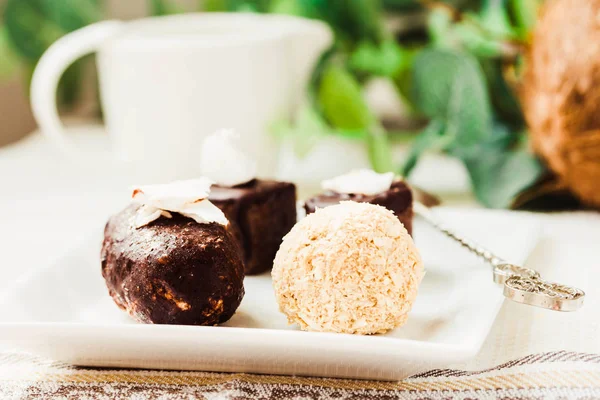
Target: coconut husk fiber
[{"x": 560, "y": 94}]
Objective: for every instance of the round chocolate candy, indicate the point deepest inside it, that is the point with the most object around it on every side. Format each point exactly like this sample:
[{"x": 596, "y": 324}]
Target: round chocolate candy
[{"x": 173, "y": 270}]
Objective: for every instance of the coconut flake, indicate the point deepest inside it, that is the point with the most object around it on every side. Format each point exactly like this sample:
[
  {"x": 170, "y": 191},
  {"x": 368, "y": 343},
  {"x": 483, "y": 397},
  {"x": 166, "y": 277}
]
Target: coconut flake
[
  {"x": 363, "y": 181},
  {"x": 188, "y": 198},
  {"x": 223, "y": 160}
]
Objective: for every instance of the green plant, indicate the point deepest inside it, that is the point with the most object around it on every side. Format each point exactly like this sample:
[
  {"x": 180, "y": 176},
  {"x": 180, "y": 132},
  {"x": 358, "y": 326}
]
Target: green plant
[
  {"x": 29, "y": 27},
  {"x": 454, "y": 77},
  {"x": 451, "y": 72}
]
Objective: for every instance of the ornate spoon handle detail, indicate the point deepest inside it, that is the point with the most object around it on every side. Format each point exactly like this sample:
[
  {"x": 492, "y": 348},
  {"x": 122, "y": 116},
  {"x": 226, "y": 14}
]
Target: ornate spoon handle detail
[{"x": 521, "y": 284}]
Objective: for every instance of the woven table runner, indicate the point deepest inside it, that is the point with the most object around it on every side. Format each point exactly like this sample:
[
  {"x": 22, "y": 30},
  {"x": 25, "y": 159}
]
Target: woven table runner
[{"x": 555, "y": 375}]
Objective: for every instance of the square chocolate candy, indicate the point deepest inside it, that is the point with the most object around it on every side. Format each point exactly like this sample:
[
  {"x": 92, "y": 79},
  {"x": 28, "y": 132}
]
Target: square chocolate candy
[
  {"x": 398, "y": 198},
  {"x": 261, "y": 213}
]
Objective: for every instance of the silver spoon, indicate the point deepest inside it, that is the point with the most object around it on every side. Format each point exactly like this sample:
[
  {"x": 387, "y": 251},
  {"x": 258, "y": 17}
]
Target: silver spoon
[{"x": 523, "y": 285}]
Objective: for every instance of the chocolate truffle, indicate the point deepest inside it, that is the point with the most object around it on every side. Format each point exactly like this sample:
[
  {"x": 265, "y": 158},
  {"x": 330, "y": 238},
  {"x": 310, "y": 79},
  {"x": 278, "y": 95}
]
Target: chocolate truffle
[
  {"x": 398, "y": 198},
  {"x": 348, "y": 268},
  {"x": 172, "y": 270},
  {"x": 261, "y": 212}
]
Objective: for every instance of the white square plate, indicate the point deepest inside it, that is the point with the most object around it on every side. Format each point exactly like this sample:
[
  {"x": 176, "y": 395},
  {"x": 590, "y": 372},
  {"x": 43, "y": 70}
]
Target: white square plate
[{"x": 63, "y": 312}]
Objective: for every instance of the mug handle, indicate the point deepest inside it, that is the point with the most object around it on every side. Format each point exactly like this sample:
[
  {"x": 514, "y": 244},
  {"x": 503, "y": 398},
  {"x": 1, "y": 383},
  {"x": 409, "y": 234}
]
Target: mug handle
[{"x": 51, "y": 67}]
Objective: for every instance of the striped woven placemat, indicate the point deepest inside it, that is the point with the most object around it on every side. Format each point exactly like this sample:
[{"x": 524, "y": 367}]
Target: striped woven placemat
[{"x": 555, "y": 375}]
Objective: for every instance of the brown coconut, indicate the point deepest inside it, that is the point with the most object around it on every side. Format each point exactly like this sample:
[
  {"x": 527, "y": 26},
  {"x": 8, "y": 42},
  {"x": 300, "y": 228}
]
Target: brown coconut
[{"x": 561, "y": 94}]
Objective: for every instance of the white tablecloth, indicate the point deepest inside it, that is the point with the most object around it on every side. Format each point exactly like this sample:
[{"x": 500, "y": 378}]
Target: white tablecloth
[{"x": 48, "y": 203}]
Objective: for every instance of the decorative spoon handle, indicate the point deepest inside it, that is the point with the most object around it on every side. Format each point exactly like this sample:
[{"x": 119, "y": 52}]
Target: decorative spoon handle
[{"x": 523, "y": 285}]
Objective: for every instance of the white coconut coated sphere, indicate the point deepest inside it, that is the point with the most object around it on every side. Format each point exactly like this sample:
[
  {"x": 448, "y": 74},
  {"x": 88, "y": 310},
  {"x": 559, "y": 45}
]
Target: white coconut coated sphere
[{"x": 349, "y": 268}]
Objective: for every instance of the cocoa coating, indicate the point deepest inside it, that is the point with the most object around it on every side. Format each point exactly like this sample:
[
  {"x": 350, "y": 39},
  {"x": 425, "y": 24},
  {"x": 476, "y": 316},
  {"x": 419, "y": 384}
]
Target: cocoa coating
[
  {"x": 398, "y": 199},
  {"x": 261, "y": 213},
  {"x": 172, "y": 271}
]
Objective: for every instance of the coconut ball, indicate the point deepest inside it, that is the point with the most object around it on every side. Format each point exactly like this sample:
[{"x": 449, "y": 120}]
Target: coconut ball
[{"x": 348, "y": 268}]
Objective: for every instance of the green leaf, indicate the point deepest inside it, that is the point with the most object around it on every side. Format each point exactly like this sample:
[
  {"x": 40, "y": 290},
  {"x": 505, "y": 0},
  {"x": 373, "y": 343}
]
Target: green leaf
[
  {"x": 69, "y": 86},
  {"x": 403, "y": 78},
  {"x": 499, "y": 176},
  {"x": 29, "y": 30},
  {"x": 475, "y": 42},
  {"x": 287, "y": 7},
  {"x": 504, "y": 99},
  {"x": 33, "y": 25},
  {"x": 380, "y": 154},
  {"x": 161, "y": 7},
  {"x": 494, "y": 18},
  {"x": 401, "y": 5},
  {"x": 354, "y": 134},
  {"x": 450, "y": 86},
  {"x": 504, "y": 137},
  {"x": 430, "y": 138},
  {"x": 387, "y": 59},
  {"x": 9, "y": 61},
  {"x": 525, "y": 14},
  {"x": 439, "y": 24},
  {"x": 362, "y": 19},
  {"x": 237, "y": 5},
  {"x": 314, "y": 84},
  {"x": 214, "y": 5},
  {"x": 71, "y": 15},
  {"x": 482, "y": 35},
  {"x": 468, "y": 119},
  {"x": 340, "y": 99},
  {"x": 353, "y": 21}
]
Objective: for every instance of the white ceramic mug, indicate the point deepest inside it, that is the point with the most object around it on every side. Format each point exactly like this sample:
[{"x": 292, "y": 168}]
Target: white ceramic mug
[{"x": 167, "y": 82}]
